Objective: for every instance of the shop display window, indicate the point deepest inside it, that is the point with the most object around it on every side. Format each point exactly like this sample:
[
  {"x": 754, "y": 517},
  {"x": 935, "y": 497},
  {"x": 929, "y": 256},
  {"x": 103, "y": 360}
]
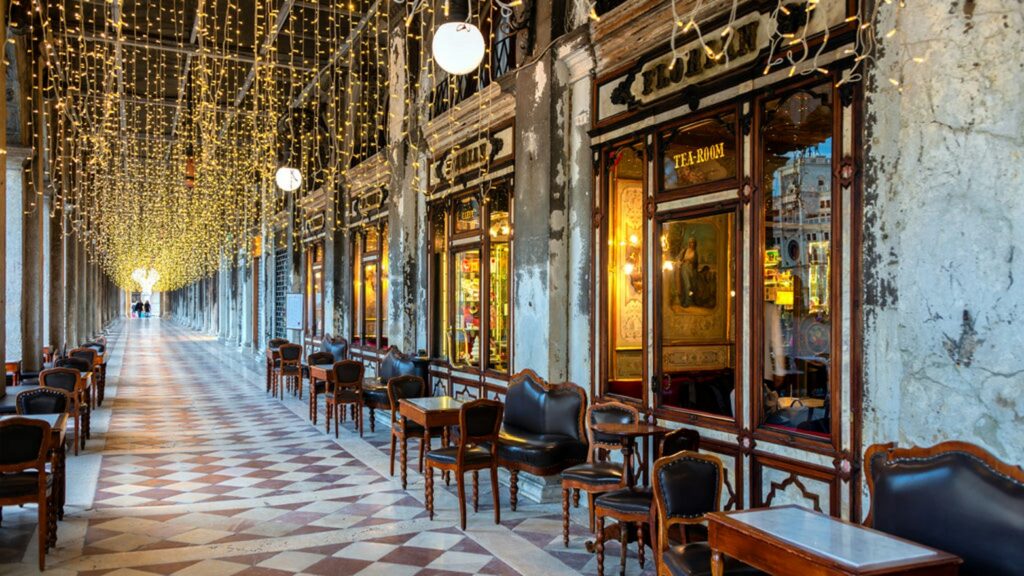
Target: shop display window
[
  {"x": 697, "y": 313},
  {"x": 499, "y": 269},
  {"x": 468, "y": 314},
  {"x": 370, "y": 287},
  {"x": 624, "y": 289},
  {"x": 796, "y": 297},
  {"x": 315, "y": 290}
]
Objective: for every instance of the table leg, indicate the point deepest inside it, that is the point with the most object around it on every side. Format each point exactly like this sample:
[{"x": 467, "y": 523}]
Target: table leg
[
  {"x": 627, "y": 459},
  {"x": 717, "y": 563}
]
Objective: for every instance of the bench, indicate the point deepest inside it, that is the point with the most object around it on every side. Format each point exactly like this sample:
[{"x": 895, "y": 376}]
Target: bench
[
  {"x": 542, "y": 431},
  {"x": 393, "y": 364},
  {"x": 953, "y": 496}
]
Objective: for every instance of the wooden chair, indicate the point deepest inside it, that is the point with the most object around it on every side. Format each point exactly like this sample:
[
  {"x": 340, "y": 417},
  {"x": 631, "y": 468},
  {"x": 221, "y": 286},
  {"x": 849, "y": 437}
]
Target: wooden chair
[
  {"x": 23, "y": 475},
  {"x": 347, "y": 389},
  {"x": 315, "y": 388},
  {"x": 42, "y": 401},
  {"x": 83, "y": 360},
  {"x": 70, "y": 381},
  {"x": 402, "y": 430},
  {"x": 288, "y": 372},
  {"x": 687, "y": 486},
  {"x": 598, "y": 474},
  {"x": 274, "y": 345},
  {"x": 13, "y": 370},
  {"x": 479, "y": 426}
]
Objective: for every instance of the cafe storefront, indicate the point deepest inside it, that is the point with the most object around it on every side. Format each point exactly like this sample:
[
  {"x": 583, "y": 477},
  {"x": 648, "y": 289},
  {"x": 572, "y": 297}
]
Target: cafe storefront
[
  {"x": 368, "y": 247},
  {"x": 725, "y": 270},
  {"x": 470, "y": 258}
]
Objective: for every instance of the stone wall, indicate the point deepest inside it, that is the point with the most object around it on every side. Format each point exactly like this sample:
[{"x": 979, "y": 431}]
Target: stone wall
[{"x": 943, "y": 283}]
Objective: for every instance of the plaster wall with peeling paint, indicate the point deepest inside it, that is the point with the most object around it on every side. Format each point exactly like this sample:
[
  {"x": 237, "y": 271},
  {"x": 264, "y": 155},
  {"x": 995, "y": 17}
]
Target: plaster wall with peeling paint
[{"x": 944, "y": 229}]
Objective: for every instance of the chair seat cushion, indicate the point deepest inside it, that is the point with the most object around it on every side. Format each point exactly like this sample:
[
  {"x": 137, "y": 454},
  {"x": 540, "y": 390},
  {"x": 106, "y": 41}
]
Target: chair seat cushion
[
  {"x": 473, "y": 455},
  {"x": 21, "y": 484},
  {"x": 595, "y": 473},
  {"x": 695, "y": 560},
  {"x": 319, "y": 387},
  {"x": 627, "y": 500},
  {"x": 541, "y": 450},
  {"x": 291, "y": 371},
  {"x": 376, "y": 396},
  {"x": 414, "y": 430}
]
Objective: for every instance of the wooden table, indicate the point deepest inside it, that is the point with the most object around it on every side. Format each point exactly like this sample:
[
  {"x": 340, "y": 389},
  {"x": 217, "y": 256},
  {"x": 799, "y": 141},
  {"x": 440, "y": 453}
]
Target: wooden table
[
  {"x": 628, "y": 433},
  {"x": 794, "y": 540},
  {"x": 271, "y": 358},
  {"x": 58, "y": 455},
  {"x": 429, "y": 412},
  {"x": 323, "y": 372}
]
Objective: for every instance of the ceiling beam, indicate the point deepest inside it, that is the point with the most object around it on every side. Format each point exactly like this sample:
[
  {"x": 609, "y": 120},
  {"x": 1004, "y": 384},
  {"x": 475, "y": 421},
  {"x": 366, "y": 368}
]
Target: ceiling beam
[{"x": 336, "y": 55}]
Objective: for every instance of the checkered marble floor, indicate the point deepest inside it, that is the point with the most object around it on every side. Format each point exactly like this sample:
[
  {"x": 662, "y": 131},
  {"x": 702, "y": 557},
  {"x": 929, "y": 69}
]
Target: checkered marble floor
[{"x": 194, "y": 470}]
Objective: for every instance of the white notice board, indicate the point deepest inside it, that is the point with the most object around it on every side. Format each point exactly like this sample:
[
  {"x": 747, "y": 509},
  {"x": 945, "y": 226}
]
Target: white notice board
[{"x": 293, "y": 312}]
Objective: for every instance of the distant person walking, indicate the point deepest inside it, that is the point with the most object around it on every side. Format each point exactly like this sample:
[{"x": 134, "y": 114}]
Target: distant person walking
[{"x": 147, "y": 309}]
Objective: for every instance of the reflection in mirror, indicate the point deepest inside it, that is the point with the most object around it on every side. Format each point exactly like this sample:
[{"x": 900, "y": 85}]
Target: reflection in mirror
[
  {"x": 796, "y": 296},
  {"x": 698, "y": 314},
  {"x": 624, "y": 276}
]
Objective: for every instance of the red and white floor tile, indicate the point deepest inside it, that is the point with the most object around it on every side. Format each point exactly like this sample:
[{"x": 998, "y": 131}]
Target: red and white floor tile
[{"x": 194, "y": 470}]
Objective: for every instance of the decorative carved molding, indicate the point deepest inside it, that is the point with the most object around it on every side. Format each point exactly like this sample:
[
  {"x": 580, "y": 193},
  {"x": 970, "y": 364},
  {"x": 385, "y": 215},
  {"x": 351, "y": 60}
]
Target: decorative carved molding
[
  {"x": 731, "y": 503},
  {"x": 747, "y": 190},
  {"x": 846, "y": 92},
  {"x": 650, "y": 208},
  {"x": 847, "y": 171},
  {"x": 747, "y": 122},
  {"x": 793, "y": 480},
  {"x": 597, "y": 218},
  {"x": 746, "y": 441},
  {"x": 846, "y": 465}
]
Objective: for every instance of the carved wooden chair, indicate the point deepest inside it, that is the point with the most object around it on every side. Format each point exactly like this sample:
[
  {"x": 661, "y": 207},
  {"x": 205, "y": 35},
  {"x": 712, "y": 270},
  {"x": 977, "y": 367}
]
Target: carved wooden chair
[
  {"x": 288, "y": 372},
  {"x": 347, "y": 389},
  {"x": 598, "y": 474},
  {"x": 316, "y": 387},
  {"x": 479, "y": 426},
  {"x": 69, "y": 381},
  {"x": 407, "y": 386},
  {"x": 23, "y": 475}
]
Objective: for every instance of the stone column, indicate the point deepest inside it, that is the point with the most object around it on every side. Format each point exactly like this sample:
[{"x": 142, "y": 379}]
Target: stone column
[
  {"x": 71, "y": 302},
  {"x": 56, "y": 335},
  {"x": 31, "y": 270},
  {"x": 3, "y": 182},
  {"x": 81, "y": 303}
]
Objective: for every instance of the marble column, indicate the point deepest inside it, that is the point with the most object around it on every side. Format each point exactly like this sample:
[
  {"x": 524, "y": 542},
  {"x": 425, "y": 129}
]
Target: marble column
[
  {"x": 31, "y": 271},
  {"x": 56, "y": 336}
]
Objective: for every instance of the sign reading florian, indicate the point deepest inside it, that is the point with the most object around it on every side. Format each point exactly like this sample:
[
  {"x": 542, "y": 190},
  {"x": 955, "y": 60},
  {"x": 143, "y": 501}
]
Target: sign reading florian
[
  {"x": 473, "y": 159},
  {"x": 463, "y": 160},
  {"x": 699, "y": 155}
]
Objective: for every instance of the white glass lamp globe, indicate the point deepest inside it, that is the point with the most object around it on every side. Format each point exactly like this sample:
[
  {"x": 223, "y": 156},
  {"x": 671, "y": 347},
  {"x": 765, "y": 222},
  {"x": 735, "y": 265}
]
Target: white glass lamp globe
[
  {"x": 458, "y": 47},
  {"x": 288, "y": 179}
]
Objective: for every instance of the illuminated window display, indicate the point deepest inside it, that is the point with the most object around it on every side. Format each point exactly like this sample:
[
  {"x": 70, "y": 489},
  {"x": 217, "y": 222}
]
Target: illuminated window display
[
  {"x": 796, "y": 266},
  {"x": 370, "y": 287},
  {"x": 470, "y": 280},
  {"x": 624, "y": 288},
  {"x": 315, "y": 290}
]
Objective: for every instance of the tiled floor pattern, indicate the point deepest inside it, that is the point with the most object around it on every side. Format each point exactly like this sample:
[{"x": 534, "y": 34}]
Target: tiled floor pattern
[{"x": 194, "y": 470}]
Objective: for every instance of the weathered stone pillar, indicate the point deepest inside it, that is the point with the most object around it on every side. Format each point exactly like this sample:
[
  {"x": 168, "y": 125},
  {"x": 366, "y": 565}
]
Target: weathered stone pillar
[
  {"x": 82, "y": 302},
  {"x": 56, "y": 336},
  {"x": 31, "y": 270},
  {"x": 3, "y": 181},
  {"x": 71, "y": 302}
]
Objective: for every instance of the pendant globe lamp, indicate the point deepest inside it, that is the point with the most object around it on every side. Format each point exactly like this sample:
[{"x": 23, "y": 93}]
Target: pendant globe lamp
[{"x": 458, "y": 45}]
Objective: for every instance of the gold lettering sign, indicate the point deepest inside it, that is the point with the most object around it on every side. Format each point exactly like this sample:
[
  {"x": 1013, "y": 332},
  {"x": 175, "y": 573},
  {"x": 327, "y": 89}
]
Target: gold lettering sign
[
  {"x": 699, "y": 155},
  {"x": 466, "y": 159}
]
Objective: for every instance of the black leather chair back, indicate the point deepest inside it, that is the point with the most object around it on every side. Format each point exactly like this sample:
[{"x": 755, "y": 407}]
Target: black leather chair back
[
  {"x": 407, "y": 386},
  {"x": 320, "y": 358},
  {"x": 680, "y": 440},
  {"x": 79, "y": 364},
  {"x": 290, "y": 352},
  {"x": 348, "y": 373},
  {"x": 99, "y": 347},
  {"x": 338, "y": 347},
  {"x": 395, "y": 363},
  {"x": 276, "y": 343},
  {"x": 23, "y": 443},
  {"x": 953, "y": 500},
  {"x": 480, "y": 421},
  {"x": 61, "y": 378},
  {"x": 532, "y": 406},
  {"x": 88, "y": 354},
  {"x": 689, "y": 485},
  {"x": 610, "y": 413},
  {"x": 42, "y": 401}
]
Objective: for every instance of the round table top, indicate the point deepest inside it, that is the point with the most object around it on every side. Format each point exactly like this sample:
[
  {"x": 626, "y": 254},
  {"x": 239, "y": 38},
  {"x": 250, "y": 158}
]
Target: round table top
[{"x": 630, "y": 430}]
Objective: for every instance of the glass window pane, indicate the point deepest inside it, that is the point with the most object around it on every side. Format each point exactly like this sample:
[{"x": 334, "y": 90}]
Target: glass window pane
[
  {"x": 439, "y": 287},
  {"x": 370, "y": 302},
  {"x": 357, "y": 292},
  {"x": 498, "y": 348},
  {"x": 467, "y": 214},
  {"x": 625, "y": 275},
  {"x": 384, "y": 275},
  {"x": 698, "y": 314},
  {"x": 372, "y": 240},
  {"x": 466, "y": 323},
  {"x": 699, "y": 153},
  {"x": 797, "y": 141}
]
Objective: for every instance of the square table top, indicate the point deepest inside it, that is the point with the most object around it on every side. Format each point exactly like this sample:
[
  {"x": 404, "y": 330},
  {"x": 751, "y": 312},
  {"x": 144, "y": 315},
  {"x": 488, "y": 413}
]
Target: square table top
[
  {"x": 435, "y": 403},
  {"x": 848, "y": 544}
]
